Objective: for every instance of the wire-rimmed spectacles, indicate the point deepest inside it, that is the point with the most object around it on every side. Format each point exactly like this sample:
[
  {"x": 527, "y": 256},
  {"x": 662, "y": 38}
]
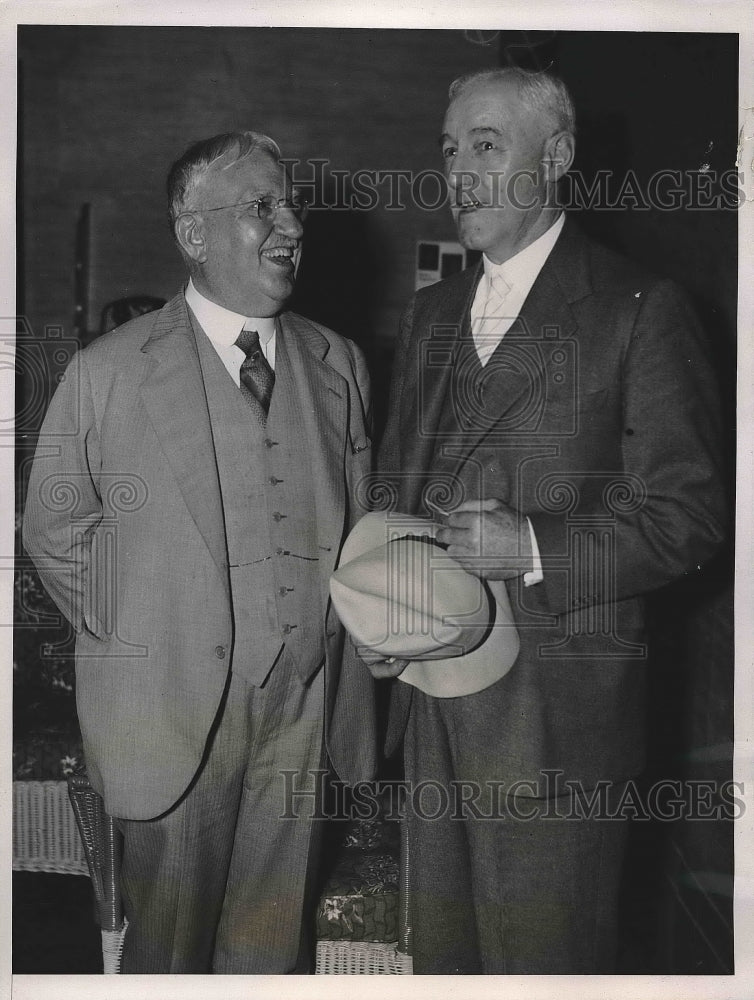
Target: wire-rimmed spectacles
[{"x": 265, "y": 209}]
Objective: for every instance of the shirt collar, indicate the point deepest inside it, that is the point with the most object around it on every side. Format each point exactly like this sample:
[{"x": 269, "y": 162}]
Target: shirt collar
[
  {"x": 222, "y": 325},
  {"x": 524, "y": 266}
]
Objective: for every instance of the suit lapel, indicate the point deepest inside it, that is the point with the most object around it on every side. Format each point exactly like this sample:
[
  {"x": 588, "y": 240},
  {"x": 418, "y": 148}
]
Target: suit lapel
[
  {"x": 441, "y": 352},
  {"x": 324, "y": 400},
  {"x": 518, "y": 374},
  {"x": 438, "y": 348},
  {"x": 174, "y": 397}
]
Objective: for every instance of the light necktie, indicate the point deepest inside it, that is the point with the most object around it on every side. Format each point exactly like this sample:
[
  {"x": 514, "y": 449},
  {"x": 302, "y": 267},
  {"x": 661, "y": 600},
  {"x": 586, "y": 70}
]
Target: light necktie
[
  {"x": 257, "y": 377},
  {"x": 490, "y": 328}
]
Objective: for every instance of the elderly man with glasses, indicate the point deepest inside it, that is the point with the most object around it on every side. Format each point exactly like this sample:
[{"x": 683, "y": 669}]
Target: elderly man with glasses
[{"x": 210, "y": 452}]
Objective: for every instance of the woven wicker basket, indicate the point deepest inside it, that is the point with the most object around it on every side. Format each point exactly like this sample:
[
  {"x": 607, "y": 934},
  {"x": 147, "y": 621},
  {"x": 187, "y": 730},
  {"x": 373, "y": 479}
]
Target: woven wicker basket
[
  {"x": 46, "y": 839},
  {"x": 45, "y": 835},
  {"x": 361, "y": 958}
]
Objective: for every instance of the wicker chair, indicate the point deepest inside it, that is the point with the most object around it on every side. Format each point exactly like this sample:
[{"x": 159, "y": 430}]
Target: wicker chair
[
  {"x": 102, "y": 844},
  {"x": 369, "y": 957}
]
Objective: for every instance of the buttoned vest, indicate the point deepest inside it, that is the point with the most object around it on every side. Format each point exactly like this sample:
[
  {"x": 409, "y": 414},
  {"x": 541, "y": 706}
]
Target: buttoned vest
[
  {"x": 489, "y": 407},
  {"x": 266, "y": 483}
]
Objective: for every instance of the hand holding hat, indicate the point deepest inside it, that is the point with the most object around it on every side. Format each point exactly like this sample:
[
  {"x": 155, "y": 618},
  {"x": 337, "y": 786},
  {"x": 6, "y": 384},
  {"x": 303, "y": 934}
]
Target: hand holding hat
[{"x": 400, "y": 595}]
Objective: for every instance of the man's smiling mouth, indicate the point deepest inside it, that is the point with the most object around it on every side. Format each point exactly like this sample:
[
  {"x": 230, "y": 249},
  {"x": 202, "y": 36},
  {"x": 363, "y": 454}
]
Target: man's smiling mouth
[{"x": 282, "y": 255}]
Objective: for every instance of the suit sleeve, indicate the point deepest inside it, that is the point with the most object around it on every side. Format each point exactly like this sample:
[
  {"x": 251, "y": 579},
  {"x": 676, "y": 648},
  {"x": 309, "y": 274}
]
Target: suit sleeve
[
  {"x": 667, "y": 506},
  {"x": 62, "y": 502}
]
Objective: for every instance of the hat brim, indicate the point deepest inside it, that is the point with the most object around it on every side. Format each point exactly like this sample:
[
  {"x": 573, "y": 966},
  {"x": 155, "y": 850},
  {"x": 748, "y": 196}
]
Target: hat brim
[{"x": 400, "y": 595}]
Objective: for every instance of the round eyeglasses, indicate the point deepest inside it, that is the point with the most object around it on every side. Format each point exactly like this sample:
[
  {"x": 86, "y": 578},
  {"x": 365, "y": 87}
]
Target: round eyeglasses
[{"x": 265, "y": 209}]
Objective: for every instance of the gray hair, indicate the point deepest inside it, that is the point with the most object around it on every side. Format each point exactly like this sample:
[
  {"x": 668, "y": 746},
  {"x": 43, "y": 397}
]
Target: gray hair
[
  {"x": 539, "y": 91},
  {"x": 187, "y": 172}
]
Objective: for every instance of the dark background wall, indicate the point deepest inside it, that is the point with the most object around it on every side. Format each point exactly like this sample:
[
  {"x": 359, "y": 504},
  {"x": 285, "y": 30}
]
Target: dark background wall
[{"x": 104, "y": 111}]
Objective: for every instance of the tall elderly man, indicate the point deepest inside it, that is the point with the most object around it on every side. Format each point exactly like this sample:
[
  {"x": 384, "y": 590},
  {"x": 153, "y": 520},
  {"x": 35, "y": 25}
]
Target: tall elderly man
[
  {"x": 210, "y": 453},
  {"x": 555, "y": 403}
]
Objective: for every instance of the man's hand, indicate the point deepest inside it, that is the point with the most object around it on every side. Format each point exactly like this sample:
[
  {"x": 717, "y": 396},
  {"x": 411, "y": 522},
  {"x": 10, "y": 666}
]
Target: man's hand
[
  {"x": 488, "y": 538},
  {"x": 380, "y": 667}
]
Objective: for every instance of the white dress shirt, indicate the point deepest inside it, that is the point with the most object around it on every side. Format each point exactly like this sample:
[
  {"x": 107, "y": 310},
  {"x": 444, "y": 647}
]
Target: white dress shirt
[
  {"x": 223, "y": 326},
  {"x": 519, "y": 273}
]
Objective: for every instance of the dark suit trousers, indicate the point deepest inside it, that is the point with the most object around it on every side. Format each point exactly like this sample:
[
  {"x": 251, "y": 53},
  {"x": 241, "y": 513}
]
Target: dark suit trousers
[
  {"x": 521, "y": 894},
  {"x": 220, "y": 883}
]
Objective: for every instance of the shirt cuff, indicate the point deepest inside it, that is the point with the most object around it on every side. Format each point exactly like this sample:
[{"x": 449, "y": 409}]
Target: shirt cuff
[{"x": 535, "y": 575}]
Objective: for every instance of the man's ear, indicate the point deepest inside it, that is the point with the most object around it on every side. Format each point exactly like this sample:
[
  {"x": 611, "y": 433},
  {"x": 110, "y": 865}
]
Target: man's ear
[
  {"x": 190, "y": 235},
  {"x": 560, "y": 150}
]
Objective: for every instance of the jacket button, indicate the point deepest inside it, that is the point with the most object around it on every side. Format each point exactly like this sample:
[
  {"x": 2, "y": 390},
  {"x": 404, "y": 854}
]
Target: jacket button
[
  {"x": 220, "y": 652},
  {"x": 286, "y": 629}
]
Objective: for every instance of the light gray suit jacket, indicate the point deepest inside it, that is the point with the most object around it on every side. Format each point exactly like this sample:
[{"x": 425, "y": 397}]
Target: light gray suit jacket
[{"x": 124, "y": 522}]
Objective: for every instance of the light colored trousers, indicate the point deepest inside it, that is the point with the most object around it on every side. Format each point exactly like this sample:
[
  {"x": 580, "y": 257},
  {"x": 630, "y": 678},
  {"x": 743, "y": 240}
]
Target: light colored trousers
[{"x": 221, "y": 882}]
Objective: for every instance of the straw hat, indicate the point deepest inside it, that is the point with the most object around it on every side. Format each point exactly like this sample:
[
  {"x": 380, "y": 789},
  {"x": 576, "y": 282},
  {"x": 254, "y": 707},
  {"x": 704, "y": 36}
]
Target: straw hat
[{"x": 398, "y": 593}]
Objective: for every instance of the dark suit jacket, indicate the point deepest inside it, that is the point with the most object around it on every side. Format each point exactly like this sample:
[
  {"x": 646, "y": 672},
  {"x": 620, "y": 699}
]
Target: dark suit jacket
[
  {"x": 124, "y": 521},
  {"x": 597, "y": 417}
]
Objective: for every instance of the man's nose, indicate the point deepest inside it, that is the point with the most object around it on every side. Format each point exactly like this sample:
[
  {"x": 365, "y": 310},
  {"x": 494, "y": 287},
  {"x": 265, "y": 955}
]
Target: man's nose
[
  {"x": 451, "y": 175},
  {"x": 288, "y": 223},
  {"x": 462, "y": 180}
]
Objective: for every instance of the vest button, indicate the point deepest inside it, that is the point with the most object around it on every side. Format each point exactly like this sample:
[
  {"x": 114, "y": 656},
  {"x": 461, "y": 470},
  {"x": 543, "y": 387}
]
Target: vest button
[
  {"x": 270, "y": 444},
  {"x": 277, "y": 516},
  {"x": 283, "y": 591},
  {"x": 274, "y": 480},
  {"x": 287, "y": 630},
  {"x": 220, "y": 652}
]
